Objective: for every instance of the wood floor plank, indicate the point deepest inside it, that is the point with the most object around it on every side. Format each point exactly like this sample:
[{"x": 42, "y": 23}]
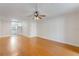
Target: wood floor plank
[{"x": 24, "y": 46}]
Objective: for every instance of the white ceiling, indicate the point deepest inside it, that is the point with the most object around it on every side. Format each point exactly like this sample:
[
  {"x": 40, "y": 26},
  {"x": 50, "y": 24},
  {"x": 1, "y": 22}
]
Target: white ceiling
[{"x": 22, "y": 10}]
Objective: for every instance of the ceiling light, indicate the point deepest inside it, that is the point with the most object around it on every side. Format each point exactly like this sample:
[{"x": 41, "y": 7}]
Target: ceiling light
[{"x": 36, "y": 18}]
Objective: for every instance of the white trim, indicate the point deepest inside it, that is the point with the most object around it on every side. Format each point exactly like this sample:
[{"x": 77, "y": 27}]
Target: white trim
[
  {"x": 59, "y": 41},
  {"x": 4, "y": 35},
  {"x": 32, "y": 35}
]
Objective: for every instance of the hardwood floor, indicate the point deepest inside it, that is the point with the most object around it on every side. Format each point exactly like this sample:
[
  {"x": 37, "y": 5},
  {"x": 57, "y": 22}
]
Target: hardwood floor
[{"x": 24, "y": 46}]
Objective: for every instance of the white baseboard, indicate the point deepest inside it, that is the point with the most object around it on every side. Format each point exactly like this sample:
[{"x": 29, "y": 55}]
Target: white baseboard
[
  {"x": 59, "y": 41},
  {"x": 4, "y": 35},
  {"x": 33, "y": 36}
]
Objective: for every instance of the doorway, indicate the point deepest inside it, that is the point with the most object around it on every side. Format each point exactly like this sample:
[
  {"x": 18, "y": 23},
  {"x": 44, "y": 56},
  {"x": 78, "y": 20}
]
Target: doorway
[{"x": 16, "y": 27}]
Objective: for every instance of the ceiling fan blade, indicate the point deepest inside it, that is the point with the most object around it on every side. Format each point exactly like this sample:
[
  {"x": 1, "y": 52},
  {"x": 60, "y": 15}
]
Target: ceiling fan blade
[
  {"x": 42, "y": 15},
  {"x": 31, "y": 14},
  {"x": 39, "y": 17}
]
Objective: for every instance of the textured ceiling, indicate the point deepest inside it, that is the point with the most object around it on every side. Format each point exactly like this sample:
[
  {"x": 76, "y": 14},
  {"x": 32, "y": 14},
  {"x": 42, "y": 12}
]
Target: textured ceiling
[{"x": 22, "y": 10}]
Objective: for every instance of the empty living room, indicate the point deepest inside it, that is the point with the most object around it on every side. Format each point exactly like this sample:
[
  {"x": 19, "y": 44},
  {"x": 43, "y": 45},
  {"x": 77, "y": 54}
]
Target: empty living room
[{"x": 39, "y": 29}]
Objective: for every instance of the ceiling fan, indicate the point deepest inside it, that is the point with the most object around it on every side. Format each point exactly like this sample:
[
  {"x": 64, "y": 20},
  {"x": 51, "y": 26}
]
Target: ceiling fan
[{"x": 36, "y": 15}]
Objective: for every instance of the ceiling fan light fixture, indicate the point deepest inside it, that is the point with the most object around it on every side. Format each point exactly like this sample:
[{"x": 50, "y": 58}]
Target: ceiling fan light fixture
[{"x": 36, "y": 18}]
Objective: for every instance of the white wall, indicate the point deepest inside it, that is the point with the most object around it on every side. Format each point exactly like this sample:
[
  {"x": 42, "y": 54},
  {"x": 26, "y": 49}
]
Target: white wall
[
  {"x": 29, "y": 28},
  {"x": 33, "y": 29},
  {"x": 63, "y": 29},
  {"x": 4, "y": 28},
  {"x": 25, "y": 27}
]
